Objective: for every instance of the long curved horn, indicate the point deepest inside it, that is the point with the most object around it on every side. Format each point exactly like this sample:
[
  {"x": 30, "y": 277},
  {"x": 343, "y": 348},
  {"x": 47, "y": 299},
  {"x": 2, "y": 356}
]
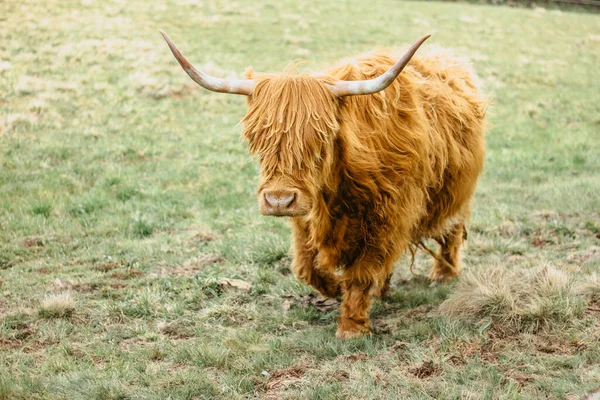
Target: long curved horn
[
  {"x": 369, "y": 86},
  {"x": 234, "y": 86}
]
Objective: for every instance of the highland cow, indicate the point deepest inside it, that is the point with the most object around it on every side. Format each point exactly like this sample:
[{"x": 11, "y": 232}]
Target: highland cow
[{"x": 366, "y": 162}]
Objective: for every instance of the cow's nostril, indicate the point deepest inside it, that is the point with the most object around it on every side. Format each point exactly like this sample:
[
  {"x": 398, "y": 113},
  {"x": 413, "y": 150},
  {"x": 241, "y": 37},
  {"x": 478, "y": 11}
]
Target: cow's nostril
[
  {"x": 280, "y": 202},
  {"x": 271, "y": 200},
  {"x": 286, "y": 201}
]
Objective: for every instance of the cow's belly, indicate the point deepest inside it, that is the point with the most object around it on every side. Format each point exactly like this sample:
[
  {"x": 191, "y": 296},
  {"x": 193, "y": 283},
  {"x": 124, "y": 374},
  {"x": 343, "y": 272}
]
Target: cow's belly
[{"x": 450, "y": 205}]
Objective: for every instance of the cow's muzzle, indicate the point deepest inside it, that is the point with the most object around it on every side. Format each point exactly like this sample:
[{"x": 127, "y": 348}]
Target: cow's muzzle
[{"x": 279, "y": 203}]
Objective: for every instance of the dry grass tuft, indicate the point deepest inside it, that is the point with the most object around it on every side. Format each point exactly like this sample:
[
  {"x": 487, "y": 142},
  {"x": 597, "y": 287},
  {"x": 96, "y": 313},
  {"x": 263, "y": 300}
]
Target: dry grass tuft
[
  {"x": 519, "y": 300},
  {"x": 57, "y": 306},
  {"x": 590, "y": 287}
]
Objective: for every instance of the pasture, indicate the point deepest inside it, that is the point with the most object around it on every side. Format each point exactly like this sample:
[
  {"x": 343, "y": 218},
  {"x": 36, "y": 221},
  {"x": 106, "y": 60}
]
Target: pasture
[{"x": 127, "y": 197}]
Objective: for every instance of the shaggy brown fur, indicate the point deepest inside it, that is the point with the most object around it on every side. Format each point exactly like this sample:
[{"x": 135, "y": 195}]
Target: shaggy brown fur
[{"x": 376, "y": 172}]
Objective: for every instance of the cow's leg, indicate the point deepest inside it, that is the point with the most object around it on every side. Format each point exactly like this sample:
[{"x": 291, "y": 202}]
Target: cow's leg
[
  {"x": 361, "y": 282},
  {"x": 383, "y": 289},
  {"x": 324, "y": 281},
  {"x": 305, "y": 266},
  {"x": 356, "y": 300},
  {"x": 386, "y": 286},
  {"x": 447, "y": 264}
]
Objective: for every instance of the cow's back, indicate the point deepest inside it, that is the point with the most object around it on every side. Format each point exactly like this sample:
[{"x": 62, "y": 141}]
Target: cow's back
[{"x": 424, "y": 133}]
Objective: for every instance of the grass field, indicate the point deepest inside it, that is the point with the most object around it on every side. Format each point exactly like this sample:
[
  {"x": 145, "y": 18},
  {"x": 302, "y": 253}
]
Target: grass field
[{"x": 126, "y": 195}]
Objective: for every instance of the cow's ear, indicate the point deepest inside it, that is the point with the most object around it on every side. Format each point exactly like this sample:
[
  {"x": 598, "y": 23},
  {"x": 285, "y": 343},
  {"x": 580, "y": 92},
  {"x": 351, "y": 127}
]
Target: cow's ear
[{"x": 249, "y": 73}]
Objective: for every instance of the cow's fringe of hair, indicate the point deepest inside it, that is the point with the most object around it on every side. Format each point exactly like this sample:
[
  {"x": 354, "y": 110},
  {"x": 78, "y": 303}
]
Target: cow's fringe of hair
[{"x": 290, "y": 120}]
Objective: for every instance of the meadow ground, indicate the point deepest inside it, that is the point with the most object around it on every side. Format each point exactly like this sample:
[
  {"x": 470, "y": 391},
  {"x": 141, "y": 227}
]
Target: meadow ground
[{"x": 127, "y": 195}]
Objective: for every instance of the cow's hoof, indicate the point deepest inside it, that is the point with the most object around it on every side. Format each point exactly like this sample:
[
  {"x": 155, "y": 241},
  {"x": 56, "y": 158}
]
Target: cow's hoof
[{"x": 349, "y": 328}]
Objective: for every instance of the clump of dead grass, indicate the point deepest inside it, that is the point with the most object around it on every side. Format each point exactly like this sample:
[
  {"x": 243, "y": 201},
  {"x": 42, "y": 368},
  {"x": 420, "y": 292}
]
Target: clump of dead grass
[
  {"x": 590, "y": 288},
  {"x": 60, "y": 305},
  {"x": 521, "y": 299}
]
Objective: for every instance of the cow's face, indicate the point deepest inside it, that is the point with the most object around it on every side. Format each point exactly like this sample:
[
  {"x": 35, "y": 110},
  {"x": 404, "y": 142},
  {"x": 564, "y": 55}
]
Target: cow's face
[{"x": 291, "y": 126}]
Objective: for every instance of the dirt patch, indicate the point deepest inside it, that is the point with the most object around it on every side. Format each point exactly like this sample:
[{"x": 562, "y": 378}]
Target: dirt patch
[
  {"x": 202, "y": 238},
  {"x": 486, "y": 351},
  {"x": 420, "y": 311},
  {"x": 497, "y": 342},
  {"x": 27, "y": 347},
  {"x": 17, "y": 336},
  {"x": 85, "y": 287},
  {"x": 176, "y": 330},
  {"x": 519, "y": 377},
  {"x": 198, "y": 234},
  {"x": 38, "y": 346},
  {"x": 317, "y": 301},
  {"x": 540, "y": 241},
  {"x": 553, "y": 345},
  {"x": 283, "y": 265},
  {"x": 399, "y": 345},
  {"x": 85, "y": 356},
  {"x": 117, "y": 285},
  {"x": 33, "y": 241},
  {"x": 108, "y": 266},
  {"x": 127, "y": 274},
  {"x": 9, "y": 344},
  {"x": 6, "y": 262},
  {"x": 283, "y": 378},
  {"x": 425, "y": 370},
  {"x": 381, "y": 326}
]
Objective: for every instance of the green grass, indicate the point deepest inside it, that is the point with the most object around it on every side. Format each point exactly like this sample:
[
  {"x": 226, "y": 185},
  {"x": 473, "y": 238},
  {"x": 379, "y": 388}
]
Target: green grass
[{"x": 127, "y": 189}]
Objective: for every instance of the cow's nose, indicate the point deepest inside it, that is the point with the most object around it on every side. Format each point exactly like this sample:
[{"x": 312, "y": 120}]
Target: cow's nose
[{"x": 279, "y": 200}]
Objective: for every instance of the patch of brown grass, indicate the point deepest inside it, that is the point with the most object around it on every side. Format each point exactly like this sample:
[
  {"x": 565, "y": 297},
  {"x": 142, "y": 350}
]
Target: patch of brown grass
[
  {"x": 57, "y": 306},
  {"x": 517, "y": 300}
]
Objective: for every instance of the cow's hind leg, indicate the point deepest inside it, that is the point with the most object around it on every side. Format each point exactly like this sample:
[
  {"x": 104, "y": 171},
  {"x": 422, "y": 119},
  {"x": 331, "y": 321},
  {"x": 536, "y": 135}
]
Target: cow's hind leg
[
  {"x": 447, "y": 263},
  {"x": 386, "y": 286}
]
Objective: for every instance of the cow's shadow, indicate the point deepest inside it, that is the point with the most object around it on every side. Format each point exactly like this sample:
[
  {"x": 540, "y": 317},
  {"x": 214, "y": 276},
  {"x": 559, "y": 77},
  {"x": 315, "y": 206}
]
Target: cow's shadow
[{"x": 409, "y": 299}]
